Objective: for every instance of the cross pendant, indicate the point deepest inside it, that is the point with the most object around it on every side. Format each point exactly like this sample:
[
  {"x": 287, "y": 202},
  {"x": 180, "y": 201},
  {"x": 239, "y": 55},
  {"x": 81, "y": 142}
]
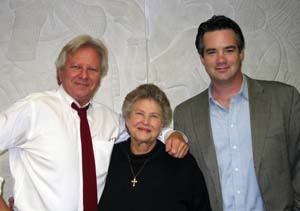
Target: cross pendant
[{"x": 134, "y": 181}]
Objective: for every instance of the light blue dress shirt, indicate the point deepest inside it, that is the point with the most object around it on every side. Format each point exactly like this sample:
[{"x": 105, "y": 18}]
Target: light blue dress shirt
[{"x": 233, "y": 143}]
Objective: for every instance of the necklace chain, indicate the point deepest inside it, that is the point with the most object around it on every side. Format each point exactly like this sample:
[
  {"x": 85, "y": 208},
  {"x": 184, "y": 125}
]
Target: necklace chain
[{"x": 134, "y": 180}]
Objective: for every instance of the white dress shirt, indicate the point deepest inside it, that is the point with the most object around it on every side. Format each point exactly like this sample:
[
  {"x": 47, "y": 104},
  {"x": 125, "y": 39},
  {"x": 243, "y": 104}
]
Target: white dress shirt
[{"x": 42, "y": 135}]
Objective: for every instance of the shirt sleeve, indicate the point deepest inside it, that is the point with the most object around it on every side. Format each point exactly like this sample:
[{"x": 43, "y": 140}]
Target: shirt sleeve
[
  {"x": 1, "y": 181},
  {"x": 15, "y": 124},
  {"x": 123, "y": 134},
  {"x": 166, "y": 132}
]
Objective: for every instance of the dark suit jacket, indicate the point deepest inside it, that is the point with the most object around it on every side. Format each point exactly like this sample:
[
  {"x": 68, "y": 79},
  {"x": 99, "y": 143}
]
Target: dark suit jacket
[{"x": 275, "y": 127}]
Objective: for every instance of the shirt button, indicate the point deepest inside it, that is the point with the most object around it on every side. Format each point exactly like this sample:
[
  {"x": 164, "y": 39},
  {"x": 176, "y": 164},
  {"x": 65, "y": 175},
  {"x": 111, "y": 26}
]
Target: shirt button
[
  {"x": 234, "y": 147},
  {"x": 238, "y": 192},
  {"x": 236, "y": 169},
  {"x": 232, "y": 125}
]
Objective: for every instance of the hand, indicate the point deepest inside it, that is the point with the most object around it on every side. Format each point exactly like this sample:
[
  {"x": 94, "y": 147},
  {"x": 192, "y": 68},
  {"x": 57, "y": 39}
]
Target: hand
[
  {"x": 11, "y": 202},
  {"x": 3, "y": 205},
  {"x": 176, "y": 145}
]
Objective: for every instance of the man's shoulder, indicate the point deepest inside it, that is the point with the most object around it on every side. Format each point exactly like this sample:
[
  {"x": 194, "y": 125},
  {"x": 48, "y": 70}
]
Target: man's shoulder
[
  {"x": 99, "y": 107},
  {"x": 101, "y": 110},
  {"x": 271, "y": 87},
  {"x": 201, "y": 97},
  {"x": 40, "y": 97}
]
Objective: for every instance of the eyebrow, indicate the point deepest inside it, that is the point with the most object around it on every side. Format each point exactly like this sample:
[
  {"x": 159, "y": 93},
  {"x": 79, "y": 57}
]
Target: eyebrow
[
  {"x": 227, "y": 47},
  {"x": 140, "y": 110},
  {"x": 231, "y": 47}
]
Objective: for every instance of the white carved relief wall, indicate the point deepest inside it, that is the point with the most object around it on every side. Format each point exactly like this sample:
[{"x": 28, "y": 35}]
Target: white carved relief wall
[{"x": 149, "y": 41}]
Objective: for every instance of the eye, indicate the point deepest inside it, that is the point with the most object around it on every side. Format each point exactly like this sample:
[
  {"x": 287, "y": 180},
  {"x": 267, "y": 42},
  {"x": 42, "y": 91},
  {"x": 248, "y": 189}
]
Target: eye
[
  {"x": 139, "y": 113},
  {"x": 92, "y": 69},
  {"x": 230, "y": 49},
  {"x": 75, "y": 67},
  {"x": 210, "y": 52},
  {"x": 156, "y": 116}
]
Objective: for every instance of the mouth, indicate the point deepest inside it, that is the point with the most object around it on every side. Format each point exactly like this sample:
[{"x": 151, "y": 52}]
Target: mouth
[
  {"x": 147, "y": 130},
  {"x": 222, "y": 68},
  {"x": 82, "y": 84}
]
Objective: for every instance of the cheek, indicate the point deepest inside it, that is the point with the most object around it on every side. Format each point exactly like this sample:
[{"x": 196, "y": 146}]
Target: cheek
[
  {"x": 234, "y": 60},
  {"x": 95, "y": 78},
  {"x": 209, "y": 62},
  {"x": 157, "y": 125},
  {"x": 132, "y": 122},
  {"x": 68, "y": 76}
]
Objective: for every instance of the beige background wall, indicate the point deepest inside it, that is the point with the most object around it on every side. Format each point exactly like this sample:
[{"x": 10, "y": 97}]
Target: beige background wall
[{"x": 149, "y": 41}]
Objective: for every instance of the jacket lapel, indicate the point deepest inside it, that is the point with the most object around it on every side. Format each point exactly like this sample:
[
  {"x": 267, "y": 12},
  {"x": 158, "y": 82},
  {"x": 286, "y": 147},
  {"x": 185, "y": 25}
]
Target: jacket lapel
[
  {"x": 202, "y": 128},
  {"x": 259, "y": 105}
]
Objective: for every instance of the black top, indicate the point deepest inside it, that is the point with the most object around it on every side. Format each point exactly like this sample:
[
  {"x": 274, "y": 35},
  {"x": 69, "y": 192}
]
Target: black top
[{"x": 164, "y": 183}]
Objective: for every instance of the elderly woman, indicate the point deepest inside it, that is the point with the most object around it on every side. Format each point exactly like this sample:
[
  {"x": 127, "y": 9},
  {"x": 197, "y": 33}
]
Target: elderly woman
[{"x": 142, "y": 176}]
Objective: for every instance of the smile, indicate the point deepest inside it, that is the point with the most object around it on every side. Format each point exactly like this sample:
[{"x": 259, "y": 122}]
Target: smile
[
  {"x": 222, "y": 69},
  {"x": 81, "y": 84},
  {"x": 144, "y": 129}
]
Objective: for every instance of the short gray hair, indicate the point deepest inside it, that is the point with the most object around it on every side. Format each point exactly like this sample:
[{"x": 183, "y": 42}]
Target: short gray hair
[
  {"x": 148, "y": 91},
  {"x": 82, "y": 41}
]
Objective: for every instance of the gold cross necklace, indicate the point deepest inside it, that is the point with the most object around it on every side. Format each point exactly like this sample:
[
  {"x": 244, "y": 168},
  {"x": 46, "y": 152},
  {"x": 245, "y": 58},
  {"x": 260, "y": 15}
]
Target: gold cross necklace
[{"x": 134, "y": 180}]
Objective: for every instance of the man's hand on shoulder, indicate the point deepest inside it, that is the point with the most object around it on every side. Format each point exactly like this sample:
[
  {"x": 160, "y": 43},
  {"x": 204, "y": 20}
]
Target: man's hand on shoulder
[{"x": 176, "y": 145}]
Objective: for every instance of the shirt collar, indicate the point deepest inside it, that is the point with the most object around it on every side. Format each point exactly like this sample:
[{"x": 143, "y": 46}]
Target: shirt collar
[
  {"x": 243, "y": 91},
  {"x": 244, "y": 88},
  {"x": 68, "y": 99}
]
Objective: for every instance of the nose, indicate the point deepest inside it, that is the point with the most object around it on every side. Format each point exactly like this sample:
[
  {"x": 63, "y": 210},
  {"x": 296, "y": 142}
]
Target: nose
[
  {"x": 220, "y": 56},
  {"x": 221, "y": 59},
  {"x": 146, "y": 120},
  {"x": 84, "y": 73}
]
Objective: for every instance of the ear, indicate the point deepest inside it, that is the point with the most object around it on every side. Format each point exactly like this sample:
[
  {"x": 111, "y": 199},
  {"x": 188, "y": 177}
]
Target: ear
[
  {"x": 58, "y": 75},
  {"x": 202, "y": 60},
  {"x": 242, "y": 55},
  {"x": 161, "y": 125},
  {"x": 126, "y": 126}
]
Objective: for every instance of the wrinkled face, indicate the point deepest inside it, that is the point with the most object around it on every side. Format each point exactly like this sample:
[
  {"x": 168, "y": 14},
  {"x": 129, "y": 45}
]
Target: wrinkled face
[
  {"x": 222, "y": 59},
  {"x": 145, "y": 122},
  {"x": 80, "y": 76}
]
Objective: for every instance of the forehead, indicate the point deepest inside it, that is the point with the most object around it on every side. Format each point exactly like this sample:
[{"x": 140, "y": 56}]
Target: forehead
[
  {"x": 224, "y": 37},
  {"x": 88, "y": 54},
  {"x": 147, "y": 104}
]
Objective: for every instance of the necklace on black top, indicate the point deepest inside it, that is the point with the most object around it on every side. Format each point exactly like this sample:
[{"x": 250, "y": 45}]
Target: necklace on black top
[
  {"x": 137, "y": 163},
  {"x": 134, "y": 181}
]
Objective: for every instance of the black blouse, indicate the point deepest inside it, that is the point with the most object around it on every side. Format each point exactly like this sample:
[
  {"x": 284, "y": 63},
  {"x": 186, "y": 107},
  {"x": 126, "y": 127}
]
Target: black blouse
[{"x": 164, "y": 183}]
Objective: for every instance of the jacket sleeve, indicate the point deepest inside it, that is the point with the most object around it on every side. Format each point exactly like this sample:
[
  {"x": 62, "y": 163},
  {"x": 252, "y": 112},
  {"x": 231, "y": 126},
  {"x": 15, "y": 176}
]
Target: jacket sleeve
[{"x": 294, "y": 146}]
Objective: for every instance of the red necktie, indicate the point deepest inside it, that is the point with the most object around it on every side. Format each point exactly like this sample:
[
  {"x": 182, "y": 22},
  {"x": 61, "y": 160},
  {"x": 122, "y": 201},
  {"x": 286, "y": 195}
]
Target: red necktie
[{"x": 88, "y": 162}]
